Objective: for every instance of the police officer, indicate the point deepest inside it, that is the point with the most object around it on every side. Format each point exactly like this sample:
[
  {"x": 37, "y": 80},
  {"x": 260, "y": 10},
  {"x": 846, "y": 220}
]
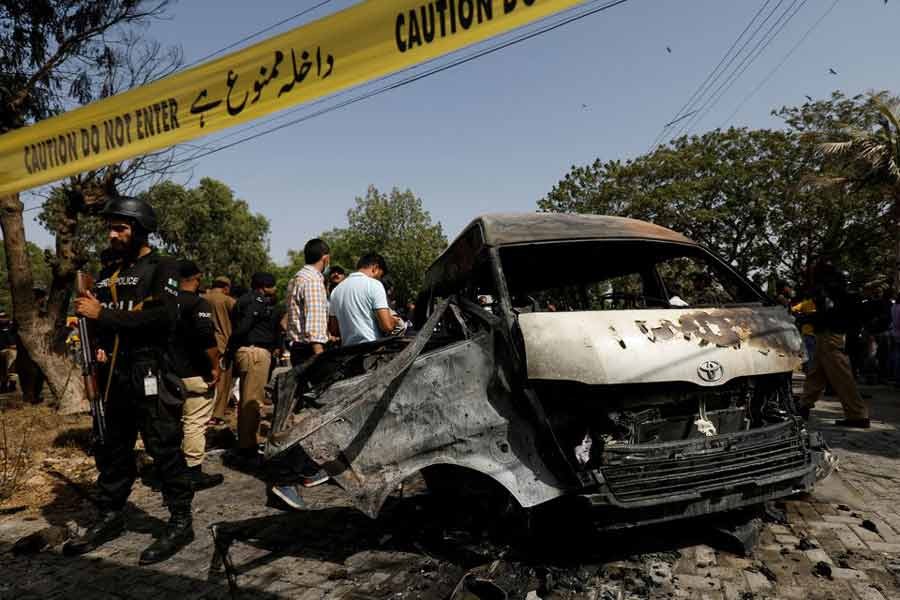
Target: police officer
[
  {"x": 255, "y": 336},
  {"x": 196, "y": 361},
  {"x": 836, "y": 314},
  {"x": 134, "y": 306}
]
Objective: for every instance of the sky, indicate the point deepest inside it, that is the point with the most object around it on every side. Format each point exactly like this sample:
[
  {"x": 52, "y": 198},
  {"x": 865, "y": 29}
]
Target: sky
[{"x": 497, "y": 133}]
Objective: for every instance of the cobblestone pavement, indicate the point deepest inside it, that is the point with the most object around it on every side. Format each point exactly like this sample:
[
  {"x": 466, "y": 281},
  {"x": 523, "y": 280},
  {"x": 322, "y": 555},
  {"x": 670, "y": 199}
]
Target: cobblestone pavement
[{"x": 841, "y": 542}]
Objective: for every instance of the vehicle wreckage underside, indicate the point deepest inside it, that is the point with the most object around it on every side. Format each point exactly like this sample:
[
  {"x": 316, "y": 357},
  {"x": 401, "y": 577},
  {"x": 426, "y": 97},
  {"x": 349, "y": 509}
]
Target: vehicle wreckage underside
[{"x": 375, "y": 414}]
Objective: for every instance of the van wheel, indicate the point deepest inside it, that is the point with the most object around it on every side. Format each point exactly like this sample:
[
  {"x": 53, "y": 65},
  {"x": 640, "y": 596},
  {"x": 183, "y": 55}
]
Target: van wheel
[{"x": 471, "y": 500}]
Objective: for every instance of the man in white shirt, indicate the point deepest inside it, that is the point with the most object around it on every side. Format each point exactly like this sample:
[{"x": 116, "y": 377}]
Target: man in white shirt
[{"x": 359, "y": 310}]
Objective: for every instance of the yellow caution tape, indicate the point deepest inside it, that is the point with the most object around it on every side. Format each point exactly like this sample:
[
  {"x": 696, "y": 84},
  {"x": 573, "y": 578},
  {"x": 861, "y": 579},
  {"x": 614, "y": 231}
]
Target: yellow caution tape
[{"x": 359, "y": 44}]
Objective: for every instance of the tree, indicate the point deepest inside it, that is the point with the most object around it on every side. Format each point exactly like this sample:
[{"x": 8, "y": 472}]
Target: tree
[
  {"x": 52, "y": 55},
  {"x": 208, "y": 225},
  {"x": 748, "y": 195},
  {"x": 873, "y": 152},
  {"x": 39, "y": 267},
  {"x": 396, "y": 226},
  {"x": 717, "y": 188}
]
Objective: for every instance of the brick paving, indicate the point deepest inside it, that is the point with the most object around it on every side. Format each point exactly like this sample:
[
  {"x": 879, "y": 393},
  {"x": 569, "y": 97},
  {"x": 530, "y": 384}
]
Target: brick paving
[{"x": 841, "y": 542}]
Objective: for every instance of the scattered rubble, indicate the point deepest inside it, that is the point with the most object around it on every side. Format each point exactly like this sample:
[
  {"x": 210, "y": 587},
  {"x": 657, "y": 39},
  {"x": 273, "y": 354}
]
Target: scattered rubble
[
  {"x": 822, "y": 569},
  {"x": 806, "y": 544},
  {"x": 867, "y": 524},
  {"x": 41, "y": 540}
]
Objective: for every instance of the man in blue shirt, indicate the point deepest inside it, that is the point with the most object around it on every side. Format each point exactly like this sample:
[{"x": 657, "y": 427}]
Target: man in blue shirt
[{"x": 359, "y": 310}]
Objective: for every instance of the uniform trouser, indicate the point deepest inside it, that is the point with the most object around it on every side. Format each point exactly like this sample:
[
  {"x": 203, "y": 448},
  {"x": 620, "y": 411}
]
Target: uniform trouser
[
  {"x": 198, "y": 408},
  {"x": 253, "y": 368},
  {"x": 832, "y": 365},
  {"x": 223, "y": 392},
  {"x": 128, "y": 412}
]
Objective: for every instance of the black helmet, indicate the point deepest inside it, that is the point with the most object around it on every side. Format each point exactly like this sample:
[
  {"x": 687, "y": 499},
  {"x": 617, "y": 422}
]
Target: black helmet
[{"x": 131, "y": 208}]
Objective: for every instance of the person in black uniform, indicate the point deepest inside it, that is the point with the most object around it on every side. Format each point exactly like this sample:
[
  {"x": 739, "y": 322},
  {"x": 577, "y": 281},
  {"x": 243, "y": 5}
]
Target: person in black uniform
[
  {"x": 256, "y": 334},
  {"x": 197, "y": 363},
  {"x": 134, "y": 306},
  {"x": 7, "y": 351}
]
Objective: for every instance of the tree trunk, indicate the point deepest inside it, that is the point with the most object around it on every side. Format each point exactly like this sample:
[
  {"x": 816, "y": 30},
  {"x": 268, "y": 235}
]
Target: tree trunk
[{"x": 39, "y": 333}]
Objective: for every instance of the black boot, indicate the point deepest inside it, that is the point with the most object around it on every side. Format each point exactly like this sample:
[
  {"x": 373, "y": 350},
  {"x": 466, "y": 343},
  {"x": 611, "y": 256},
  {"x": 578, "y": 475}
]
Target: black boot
[
  {"x": 179, "y": 533},
  {"x": 203, "y": 481},
  {"x": 108, "y": 527}
]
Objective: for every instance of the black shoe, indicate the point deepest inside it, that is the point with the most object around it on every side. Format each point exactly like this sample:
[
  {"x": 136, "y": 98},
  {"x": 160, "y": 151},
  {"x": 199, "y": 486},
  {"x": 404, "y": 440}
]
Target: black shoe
[
  {"x": 108, "y": 527},
  {"x": 203, "y": 481},
  {"x": 240, "y": 459},
  {"x": 179, "y": 533},
  {"x": 855, "y": 423}
]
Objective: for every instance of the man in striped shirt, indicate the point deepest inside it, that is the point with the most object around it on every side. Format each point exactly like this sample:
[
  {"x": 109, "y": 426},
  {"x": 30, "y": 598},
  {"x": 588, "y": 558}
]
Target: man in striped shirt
[
  {"x": 307, "y": 331},
  {"x": 307, "y": 304}
]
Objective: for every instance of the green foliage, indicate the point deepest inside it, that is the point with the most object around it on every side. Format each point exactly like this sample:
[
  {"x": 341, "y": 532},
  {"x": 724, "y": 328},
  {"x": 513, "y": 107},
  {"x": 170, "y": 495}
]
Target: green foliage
[
  {"x": 751, "y": 196},
  {"x": 39, "y": 267},
  {"x": 90, "y": 230},
  {"x": 208, "y": 225},
  {"x": 40, "y": 37},
  {"x": 394, "y": 225}
]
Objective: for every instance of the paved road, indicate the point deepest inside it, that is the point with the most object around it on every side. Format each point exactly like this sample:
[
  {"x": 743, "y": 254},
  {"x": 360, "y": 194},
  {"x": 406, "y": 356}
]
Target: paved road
[{"x": 841, "y": 542}]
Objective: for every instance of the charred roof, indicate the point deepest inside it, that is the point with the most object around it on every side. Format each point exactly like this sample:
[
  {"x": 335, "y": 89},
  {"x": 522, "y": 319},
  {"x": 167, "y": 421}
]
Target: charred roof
[
  {"x": 506, "y": 229},
  {"x": 515, "y": 228}
]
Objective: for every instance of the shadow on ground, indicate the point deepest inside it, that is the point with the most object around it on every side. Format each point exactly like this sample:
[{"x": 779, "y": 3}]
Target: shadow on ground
[
  {"x": 56, "y": 576},
  {"x": 417, "y": 534},
  {"x": 882, "y": 439}
]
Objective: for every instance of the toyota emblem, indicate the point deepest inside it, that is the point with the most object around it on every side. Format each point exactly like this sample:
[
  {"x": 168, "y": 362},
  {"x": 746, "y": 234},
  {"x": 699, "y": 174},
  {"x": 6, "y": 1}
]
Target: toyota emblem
[{"x": 710, "y": 371}]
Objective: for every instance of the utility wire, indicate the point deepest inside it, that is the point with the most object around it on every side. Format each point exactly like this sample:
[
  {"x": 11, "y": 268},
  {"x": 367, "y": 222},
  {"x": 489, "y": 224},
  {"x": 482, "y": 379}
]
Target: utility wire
[
  {"x": 411, "y": 79},
  {"x": 748, "y": 58},
  {"x": 700, "y": 89},
  {"x": 787, "y": 56},
  {"x": 216, "y": 138},
  {"x": 246, "y": 38},
  {"x": 255, "y": 34},
  {"x": 781, "y": 23}
]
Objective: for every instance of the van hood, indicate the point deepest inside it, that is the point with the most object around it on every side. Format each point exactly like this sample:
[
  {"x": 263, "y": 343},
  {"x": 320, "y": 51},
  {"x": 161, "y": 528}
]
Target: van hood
[{"x": 707, "y": 347}]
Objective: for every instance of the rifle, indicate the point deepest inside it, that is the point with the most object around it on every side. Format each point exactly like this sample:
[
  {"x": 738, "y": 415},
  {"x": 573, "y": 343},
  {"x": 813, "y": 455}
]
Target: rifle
[{"x": 83, "y": 283}]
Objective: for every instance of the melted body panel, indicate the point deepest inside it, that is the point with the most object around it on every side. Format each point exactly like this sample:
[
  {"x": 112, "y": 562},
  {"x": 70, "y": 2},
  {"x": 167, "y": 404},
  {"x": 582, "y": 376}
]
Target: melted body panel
[
  {"x": 659, "y": 345},
  {"x": 451, "y": 406}
]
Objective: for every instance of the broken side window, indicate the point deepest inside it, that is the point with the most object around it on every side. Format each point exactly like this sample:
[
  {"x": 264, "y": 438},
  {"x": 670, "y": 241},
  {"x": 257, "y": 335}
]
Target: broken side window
[
  {"x": 692, "y": 281},
  {"x": 617, "y": 275}
]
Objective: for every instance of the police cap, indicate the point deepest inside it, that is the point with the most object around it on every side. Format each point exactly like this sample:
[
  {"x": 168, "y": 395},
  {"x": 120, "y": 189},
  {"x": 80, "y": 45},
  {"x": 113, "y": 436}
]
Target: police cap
[{"x": 131, "y": 208}]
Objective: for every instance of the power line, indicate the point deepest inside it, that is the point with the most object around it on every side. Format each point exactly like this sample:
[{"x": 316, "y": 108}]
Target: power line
[
  {"x": 249, "y": 37},
  {"x": 787, "y": 56},
  {"x": 305, "y": 107},
  {"x": 411, "y": 79},
  {"x": 700, "y": 89},
  {"x": 750, "y": 56},
  {"x": 246, "y": 38},
  {"x": 761, "y": 47}
]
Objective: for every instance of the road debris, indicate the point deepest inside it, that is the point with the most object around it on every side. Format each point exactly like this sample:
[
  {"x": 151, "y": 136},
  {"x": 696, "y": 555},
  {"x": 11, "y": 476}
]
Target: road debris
[
  {"x": 41, "y": 540},
  {"x": 822, "y": 569}
]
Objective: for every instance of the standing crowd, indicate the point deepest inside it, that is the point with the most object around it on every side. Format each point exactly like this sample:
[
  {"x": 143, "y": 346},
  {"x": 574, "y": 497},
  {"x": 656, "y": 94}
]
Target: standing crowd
[{"x": 167, "y": 358}]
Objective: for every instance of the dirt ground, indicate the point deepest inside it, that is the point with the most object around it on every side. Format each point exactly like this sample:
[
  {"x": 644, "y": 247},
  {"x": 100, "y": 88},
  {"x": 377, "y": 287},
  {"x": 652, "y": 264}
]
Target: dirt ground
[{"x": 54, "y": 452}]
